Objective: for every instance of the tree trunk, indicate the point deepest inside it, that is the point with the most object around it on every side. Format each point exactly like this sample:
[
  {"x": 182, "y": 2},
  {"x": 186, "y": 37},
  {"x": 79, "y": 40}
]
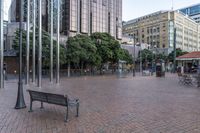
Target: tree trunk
[
  {"x": 81, "y": 68},
  {"x": 101, "y": 70}
]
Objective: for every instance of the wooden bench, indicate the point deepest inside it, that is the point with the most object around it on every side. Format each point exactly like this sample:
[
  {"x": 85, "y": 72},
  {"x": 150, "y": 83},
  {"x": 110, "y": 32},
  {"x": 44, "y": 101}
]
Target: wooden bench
[{"x": 56, "y": 99}]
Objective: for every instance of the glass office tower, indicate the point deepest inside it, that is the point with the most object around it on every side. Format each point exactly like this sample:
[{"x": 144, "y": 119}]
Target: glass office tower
[{"x": 193, "y": 12}]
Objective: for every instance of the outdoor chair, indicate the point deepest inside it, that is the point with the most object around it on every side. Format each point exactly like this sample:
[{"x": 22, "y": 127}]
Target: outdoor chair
[
  {"x": 181, "y": 78},
  {"x": 185, "y": 79}
]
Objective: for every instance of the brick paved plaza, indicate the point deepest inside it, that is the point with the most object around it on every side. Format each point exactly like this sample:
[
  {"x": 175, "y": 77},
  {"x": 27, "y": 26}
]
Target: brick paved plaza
[{"x": 108, "y": 105}]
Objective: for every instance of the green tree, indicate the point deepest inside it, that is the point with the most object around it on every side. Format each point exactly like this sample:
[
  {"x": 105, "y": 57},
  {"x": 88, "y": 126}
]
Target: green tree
[
  {"x": 124, "y": 55},
  {"x": 109, "y": 49},
  {"x": 45, "y": 47},
  {"x": 146, "y": 55},
  {"x": 149, "y": 56},
  {"x": 81, "y": 50},
  {"x": 179, "y": 52}
]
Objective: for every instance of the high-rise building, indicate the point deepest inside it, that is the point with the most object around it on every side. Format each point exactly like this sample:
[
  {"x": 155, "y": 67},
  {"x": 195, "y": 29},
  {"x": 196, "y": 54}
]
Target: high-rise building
[
  {"x": 157, "y": 29},
  {"x": 192, "y": 11},
  {"x": 89, "y": 16},
  {"x": 14, "y": 12},
  {"x": 81, "y": 16}
]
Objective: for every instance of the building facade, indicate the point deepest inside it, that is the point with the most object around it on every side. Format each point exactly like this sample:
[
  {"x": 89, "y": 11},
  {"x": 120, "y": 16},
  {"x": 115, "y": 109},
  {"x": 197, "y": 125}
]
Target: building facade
[
  {"x": 80, "y": 16},
  {"x": 89, "y": 16},
  {"x": 157, "y": 30},
  {"x": 192, "y": 11},
  {"x": 14, "y": 12}
]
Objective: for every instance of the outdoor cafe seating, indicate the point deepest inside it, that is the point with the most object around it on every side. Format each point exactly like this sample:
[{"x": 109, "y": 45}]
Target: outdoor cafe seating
[
  {"x": 189, "y": 79},
  {"x": 189, "y": 63}
]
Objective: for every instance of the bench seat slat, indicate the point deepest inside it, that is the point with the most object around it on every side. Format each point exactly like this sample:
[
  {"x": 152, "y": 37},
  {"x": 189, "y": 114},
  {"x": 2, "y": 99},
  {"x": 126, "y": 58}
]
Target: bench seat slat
[
  {"x": 38, "y": 96},
  {"x": 57, "y": 99}
]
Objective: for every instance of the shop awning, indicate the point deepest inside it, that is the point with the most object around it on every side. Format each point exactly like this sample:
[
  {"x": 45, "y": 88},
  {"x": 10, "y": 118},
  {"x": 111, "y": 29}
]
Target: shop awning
[{"x": 189, "y": 56}]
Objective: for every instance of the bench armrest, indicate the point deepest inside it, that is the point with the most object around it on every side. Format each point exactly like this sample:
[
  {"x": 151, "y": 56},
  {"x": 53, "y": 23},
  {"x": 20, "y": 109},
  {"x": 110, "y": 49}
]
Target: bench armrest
[{"x": 73, "y": 102}]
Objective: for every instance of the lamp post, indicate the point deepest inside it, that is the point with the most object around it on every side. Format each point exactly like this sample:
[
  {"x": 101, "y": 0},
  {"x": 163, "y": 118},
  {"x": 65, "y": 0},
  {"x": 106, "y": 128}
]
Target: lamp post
[
  {"x": 133, "y": 36},
  {"x": 152, "y": 67},
  {"x": 20, "y": 94},
  {"x": 140, "y": 58},
  {"x": 174, "y": 59},
  {"x": 154, "y": 52}
]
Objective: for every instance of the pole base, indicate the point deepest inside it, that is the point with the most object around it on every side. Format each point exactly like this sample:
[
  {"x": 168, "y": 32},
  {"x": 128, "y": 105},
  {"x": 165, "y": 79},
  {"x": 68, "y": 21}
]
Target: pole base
[
  {"x": 133, "y": 72},
  {"x": 20, "y": 104}
]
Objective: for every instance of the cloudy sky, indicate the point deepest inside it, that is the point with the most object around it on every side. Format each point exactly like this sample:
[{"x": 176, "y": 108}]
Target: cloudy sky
[{"x": 136, "y": 8}]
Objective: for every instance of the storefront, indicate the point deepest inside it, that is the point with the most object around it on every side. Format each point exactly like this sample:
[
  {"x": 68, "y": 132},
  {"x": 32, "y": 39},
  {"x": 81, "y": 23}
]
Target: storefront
[{"x": 189, "y": 62}]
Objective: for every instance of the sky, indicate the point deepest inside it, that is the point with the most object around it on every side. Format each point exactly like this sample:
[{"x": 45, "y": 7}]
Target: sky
[
  {"x": 6, "y": 8},
  {"x": 136, "y": 8}
]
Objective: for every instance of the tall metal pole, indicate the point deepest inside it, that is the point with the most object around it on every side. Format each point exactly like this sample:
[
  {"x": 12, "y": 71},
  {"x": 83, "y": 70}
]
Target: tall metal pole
[
  {"x": 1, "y": 46},
  {"x": 134, "y": 57},
  {"x": 40, "y": 46},
  {"x": 140, "y": 59},
  {"x": 51, "y": 44},
  {"x": 174, "y": 61},
  {"x": 58, "y": 45},
  {"x": 27, "y": 42},
  {"x": 33, "y": 50},
  {"x": 152, "y": 63},
  {"x": 20, "y": 94}
]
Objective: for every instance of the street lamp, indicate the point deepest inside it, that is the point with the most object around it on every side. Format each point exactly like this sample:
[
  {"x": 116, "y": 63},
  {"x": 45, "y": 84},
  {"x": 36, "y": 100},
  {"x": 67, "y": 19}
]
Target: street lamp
[
  {"x": 174, "y": 60},
  {"x": 133, "y": 52},
  {"x": 20, "y": 94},
  {"x": 140, "y": 58},
  {"x": 152, "y": 70}
]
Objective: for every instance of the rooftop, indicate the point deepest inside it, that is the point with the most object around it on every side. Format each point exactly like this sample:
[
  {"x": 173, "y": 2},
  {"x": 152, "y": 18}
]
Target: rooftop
[
  {"x": 146, "y": 16},
  {"x": 190, "y": 56}
]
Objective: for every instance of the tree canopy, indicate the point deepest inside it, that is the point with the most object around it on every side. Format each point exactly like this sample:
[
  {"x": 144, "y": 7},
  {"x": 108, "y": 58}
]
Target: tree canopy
[
  {"x": 45, "y": 47},
  {"x": 179, "y": 52},
  {"x": 80, "y": 50}
]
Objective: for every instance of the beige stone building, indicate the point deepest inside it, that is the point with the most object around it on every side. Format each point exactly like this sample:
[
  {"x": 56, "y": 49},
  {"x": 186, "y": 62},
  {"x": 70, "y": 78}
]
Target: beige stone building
[{"x": 157, "y": 29}]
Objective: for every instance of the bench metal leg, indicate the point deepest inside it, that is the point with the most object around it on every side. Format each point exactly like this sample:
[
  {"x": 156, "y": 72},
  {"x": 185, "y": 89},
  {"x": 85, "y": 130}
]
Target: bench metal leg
[
  {"x": 30, "y": 110},
  {"x": 67, "y": 113},
  {"x": 42, "y": 107},
  {"x": 77, "y": 109}
]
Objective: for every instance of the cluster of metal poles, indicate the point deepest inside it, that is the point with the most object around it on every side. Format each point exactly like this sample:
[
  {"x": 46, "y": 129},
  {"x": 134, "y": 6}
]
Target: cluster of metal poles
[
  {"x": 20, "y": 98},
  {"x": 39, "y": 70},
  {"x": 36, "y": 6}
]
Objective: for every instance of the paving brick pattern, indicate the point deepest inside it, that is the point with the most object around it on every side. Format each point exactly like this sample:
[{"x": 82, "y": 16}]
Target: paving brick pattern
[{"x": 108, "y": 105}]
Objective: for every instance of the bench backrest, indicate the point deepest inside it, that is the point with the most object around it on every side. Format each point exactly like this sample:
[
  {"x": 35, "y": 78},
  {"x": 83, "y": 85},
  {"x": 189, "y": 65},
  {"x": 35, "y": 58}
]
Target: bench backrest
[{"x": 48, "y": 97}]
